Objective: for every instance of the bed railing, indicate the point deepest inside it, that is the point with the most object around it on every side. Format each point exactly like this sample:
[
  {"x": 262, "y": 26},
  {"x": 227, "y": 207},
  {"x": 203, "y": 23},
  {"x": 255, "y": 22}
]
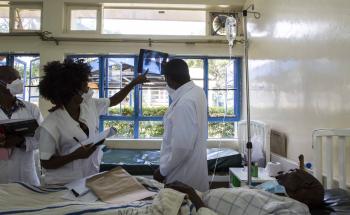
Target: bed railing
[{"x": 324, "y": 142}]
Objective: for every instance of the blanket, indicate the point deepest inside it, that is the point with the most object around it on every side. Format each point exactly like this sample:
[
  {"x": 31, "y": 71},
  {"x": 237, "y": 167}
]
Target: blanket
[
  {"x": 19, "y": 198},
  {"x": 239, "y": 201}
]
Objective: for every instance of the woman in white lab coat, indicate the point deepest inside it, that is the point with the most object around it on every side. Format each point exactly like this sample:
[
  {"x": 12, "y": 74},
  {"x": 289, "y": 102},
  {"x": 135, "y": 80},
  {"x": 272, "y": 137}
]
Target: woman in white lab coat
[
  {"x": 20, "y": 165},
  {"x": 66, "y": 134}
]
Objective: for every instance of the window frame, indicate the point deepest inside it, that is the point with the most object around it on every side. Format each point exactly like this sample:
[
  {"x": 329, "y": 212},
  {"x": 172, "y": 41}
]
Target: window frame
[
  {"x": 68, "y": 10},
  {"x": 137, "y": 118},
  {"x": 24, "y": 6}
]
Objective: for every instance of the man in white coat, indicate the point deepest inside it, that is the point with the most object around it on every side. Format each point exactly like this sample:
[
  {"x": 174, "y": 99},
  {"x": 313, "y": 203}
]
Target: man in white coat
[
  {"x": 183, "y": 154},
  {"x": 19, "y": 166}
]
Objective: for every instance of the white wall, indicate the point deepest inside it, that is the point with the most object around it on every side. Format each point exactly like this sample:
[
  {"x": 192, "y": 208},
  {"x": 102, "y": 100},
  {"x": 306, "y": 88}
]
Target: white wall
[{"x": 299, "y": 68}]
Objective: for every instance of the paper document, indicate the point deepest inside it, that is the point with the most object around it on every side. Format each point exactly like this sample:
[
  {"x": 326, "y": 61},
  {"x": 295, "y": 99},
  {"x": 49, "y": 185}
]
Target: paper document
[
  {"x": 101, "y": 136},
  {"x": 87, "y": 197},
  {"x": 78, "y": 187},
  {"x": 105, "y": 134},
  {"x": 117, "y": 187}
]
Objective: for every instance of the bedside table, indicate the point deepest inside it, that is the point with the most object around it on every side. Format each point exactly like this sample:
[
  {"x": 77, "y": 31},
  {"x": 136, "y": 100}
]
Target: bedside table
[{"x": 238, "y": 177}]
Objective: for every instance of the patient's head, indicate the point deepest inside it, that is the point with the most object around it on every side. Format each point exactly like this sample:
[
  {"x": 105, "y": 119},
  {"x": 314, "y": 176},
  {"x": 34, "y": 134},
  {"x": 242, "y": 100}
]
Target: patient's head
[
  {"x": 176, "y": 73},
  {"x": 303, "y": 187}
]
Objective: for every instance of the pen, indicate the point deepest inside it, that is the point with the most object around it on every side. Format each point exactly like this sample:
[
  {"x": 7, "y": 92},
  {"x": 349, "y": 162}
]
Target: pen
[{"x": 76, "y": 139}]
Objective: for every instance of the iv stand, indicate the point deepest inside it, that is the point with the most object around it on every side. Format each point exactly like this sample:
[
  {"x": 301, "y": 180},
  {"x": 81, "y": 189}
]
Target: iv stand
[{"x": 249, "y": 144}]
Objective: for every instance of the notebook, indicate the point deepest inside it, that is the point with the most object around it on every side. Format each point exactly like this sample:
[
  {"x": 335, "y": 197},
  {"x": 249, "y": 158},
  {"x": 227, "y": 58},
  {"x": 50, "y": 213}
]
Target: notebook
[{"x": 5, "y": 154}]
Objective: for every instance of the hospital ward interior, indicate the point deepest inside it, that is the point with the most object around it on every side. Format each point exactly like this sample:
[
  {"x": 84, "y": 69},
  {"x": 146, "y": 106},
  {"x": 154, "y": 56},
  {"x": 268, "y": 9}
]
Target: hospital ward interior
[{"x": 174, "y": 107}]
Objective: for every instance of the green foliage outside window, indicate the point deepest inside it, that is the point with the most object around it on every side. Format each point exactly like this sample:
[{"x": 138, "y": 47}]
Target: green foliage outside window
[
  {"x": 151, "y": 129},
  {"x": 221, "y": 130},
  {"x": 125, "y": 129},
  {"x": 155, "y": 129}
]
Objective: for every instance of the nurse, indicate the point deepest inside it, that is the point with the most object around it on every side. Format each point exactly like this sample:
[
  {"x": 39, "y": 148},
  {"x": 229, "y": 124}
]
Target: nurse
[
  {"x": 19, "y": 164},
  {"x": 73, "y": 120}
]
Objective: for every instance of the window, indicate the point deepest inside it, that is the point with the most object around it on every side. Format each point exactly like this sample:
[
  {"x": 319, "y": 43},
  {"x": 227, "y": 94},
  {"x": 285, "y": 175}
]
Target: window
[
  {"x": 28, "y": 67},
  {"x": 83, "y": 18},
  {"x": 140, "y": 114},
  {"x": 4, "y": 19},
  {"x": 26, "y": 18},
  {"x": 153, "y": 22}
]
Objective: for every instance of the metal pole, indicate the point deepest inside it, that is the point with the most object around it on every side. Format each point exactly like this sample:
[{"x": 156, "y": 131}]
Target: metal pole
[{"x": 249, "y": 143}]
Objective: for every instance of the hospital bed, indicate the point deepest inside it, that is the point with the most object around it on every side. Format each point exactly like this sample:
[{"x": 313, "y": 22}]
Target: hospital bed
[{"x": 332, "y": 168}]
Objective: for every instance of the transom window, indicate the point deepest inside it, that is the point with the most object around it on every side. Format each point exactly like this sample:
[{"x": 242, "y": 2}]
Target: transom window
[
  {"x": 140, "y": 115},
  {"x": 20, "y": 18},
  {"x": 153, "y": 22}
]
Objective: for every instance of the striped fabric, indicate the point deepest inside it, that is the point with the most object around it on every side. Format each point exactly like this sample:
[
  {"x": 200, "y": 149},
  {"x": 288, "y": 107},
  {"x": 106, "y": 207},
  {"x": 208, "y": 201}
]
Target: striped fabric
[{"x": 239, "y": 201}]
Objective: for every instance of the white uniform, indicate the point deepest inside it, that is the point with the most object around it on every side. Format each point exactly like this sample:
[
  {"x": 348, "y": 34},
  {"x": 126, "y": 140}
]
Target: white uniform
[
  {"x": 183, "y": 154},
  {"x": 21, "y": 165},
  {"x": 57, "y": 134}
]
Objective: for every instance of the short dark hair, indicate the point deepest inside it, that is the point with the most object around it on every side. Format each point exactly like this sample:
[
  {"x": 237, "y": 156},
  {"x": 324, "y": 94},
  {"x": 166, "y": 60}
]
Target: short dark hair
[
  {"x": 177, "y": 70},
  {"x": 62, "y": 81},
  {"x": 7, "y": 72}
]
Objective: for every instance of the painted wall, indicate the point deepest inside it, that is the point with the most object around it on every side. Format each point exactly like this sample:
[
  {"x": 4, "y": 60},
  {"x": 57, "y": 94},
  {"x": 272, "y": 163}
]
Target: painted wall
[{"x": 299, "y": 68}]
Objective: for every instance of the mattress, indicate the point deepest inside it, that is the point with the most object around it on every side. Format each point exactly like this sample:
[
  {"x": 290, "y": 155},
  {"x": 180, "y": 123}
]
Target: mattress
[{"x": 144, "y": 162}]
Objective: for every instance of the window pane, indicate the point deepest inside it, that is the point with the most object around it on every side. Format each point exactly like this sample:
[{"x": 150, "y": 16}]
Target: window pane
[
  {"x": 155, "y": 99},
  {"x": 151, "y": 129},
  {"x": 125, "y": 108},
  {"x": 125, "y": 129},
  {"x": 33, "y": 81},
  {"x": 27, "y": 19},
  {"x": 28, "y": 67},
  {"x": 94, "y": 63},
  {"x": 3, "y": 60},
  {"x": 83, "y": 20},
  {"x": 220, "y": 74},
  {"x": 196, "y": 71},
  {"x": 4, "y": 19},
  {"x": 221, "y": 103},
  {"x": 120, "y": 74},
  {"x": 221, "y": 130},
  {"x": 154, "y": 22}
]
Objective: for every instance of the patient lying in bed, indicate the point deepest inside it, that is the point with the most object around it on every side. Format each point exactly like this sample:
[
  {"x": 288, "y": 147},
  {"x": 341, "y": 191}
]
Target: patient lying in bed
[{"x": 23, "y": 199}]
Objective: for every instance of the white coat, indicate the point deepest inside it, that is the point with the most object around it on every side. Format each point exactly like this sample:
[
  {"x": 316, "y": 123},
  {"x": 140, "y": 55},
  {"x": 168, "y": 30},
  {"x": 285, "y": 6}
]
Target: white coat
[
  {"x": 183, "y": 154},
  {"x": 57, "y": 134},
  {"x": 21, "y": 165}
]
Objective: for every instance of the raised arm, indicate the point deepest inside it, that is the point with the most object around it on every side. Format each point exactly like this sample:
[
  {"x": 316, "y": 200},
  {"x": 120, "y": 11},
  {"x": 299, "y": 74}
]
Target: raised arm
[{"x": 120, "y": 96}]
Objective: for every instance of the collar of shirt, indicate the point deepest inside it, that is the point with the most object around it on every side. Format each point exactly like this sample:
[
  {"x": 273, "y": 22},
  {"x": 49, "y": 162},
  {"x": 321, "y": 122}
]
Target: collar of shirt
[
  {"x": 18, "y": 105},
  {"x": 182, "y": 90}
]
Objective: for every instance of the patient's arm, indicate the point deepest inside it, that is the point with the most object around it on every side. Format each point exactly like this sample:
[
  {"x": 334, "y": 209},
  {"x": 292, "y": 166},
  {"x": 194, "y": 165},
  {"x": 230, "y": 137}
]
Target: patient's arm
[
  {"x": 191, "y": 193},
  {"x": 158, "y": 176}
]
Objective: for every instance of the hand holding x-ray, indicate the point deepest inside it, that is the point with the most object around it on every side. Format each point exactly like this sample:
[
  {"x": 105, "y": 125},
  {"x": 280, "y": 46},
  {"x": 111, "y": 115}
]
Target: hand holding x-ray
[{"x": 141, "y": 78}]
